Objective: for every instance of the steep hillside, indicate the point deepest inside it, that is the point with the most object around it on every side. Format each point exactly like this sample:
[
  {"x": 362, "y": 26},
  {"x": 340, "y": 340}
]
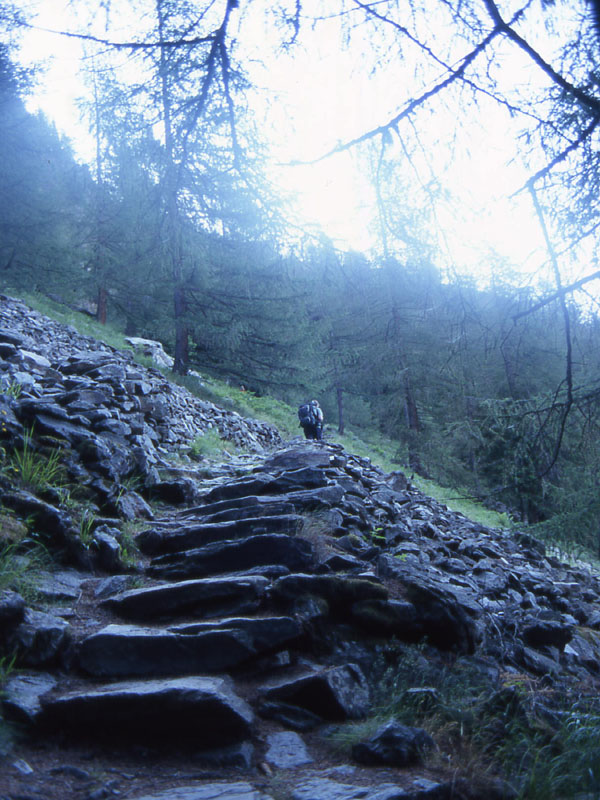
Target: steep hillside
[{"x": 286, "y": 622}]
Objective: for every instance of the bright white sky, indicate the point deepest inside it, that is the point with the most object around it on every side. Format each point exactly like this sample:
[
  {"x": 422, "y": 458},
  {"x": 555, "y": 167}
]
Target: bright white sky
[{"x": 326, "y": 97}]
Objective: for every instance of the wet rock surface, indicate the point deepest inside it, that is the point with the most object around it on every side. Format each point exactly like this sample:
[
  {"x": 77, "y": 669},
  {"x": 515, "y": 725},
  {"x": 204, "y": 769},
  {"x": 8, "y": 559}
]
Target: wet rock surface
[{"x": 268, "y": 596}]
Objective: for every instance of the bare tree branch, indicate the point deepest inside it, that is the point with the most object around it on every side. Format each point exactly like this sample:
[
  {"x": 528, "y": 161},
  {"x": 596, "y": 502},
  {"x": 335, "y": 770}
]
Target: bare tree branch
[
  {"x": 195, "y": 40},
  {"x": 392, "y": 124},
  {"x": 585, "y": 134},
  {"x": 556, "y": 295},
  {"x": 588, "y": 101}
]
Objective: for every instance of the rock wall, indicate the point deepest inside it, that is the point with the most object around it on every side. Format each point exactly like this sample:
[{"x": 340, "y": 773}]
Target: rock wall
[{"x": 105, "y": 391}]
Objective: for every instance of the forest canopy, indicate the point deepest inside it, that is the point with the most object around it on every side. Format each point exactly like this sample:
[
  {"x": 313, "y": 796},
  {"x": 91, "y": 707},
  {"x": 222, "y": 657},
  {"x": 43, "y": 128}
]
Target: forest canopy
[{"x": 176, "y": 227}]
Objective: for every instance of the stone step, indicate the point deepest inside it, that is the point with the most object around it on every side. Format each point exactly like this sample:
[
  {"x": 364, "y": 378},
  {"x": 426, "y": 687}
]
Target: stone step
[
  {"x": 127, "y": 650},
  {"x": 205, "y": 597},
  {"x": 239, "y": 508},
  {"x": 300, "y": 477},
  {"x": 294, "y": 553},
  {"x": 201, "y": 711},
  {"x": 156, "y": 541},
  {"x": 301, "y": 499}
]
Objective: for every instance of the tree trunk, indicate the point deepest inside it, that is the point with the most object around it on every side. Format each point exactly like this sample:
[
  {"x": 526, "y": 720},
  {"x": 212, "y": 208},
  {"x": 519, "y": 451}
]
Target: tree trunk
[
  {"x": 102, "y": 305},
  {"x": 340, "y": 405},
  {"x": 413, "y": 424},
  {"x": 181, "y": 356}
]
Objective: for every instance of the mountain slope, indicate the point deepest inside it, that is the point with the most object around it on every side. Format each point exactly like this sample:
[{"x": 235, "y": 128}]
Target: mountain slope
[{"x": 210, "y": 629}]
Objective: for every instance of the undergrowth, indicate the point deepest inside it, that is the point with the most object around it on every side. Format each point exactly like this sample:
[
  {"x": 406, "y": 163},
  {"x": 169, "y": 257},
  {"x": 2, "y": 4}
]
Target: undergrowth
[
  {"x": 542, "y": 743},
  {"x": 32, "y": 468},
  {"x": 210, "y": 444},
  {"x": 20, "y": 567}
]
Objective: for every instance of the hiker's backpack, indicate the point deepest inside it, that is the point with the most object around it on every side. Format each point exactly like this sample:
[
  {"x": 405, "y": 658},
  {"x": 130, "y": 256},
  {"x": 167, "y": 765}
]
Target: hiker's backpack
[{"x": 305, "y": 415}]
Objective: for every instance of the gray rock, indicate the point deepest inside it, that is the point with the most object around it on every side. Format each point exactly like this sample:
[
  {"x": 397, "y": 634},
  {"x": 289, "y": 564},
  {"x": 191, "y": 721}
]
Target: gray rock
[
  {"x": 219, "y": 557},
  {"x": 391, "y": 617},
  {"x": 336, "y": 693},
  {"x": 64, "y": 585},
  {"x": 539, "y": 632},
  {"x": 340, "y": 591},
  {"x": 40, "y": 639},
  {"x": 23, "y": 693},
  {"x": 447, "y": 614},
  {"x": 394, "y": 745},
  {"x": 208, "y": 791},
  {"x": 421, "y": 789},
  {"x": 203, "y": 712},
  {"x": 108, "y": 551},
  {"x": 12, "y": 611},
  {"x": 264, "y": 633},
  {"x": 290, "y": 716},
  {"x": 536, "y": 662},
  {"x": 115, "y": 584},
  {"x": 299, "y": 458},
  {"x": 49, "y": 520},
  {"x": 131, "y": 506},
  {"x": 156, "y": 541},
  {"x": 286, "y": 749},
  {"x": 152, "y": 349},
  {"x": 127, "y": 650},
  {"x": 204, "y": 597},
  {"x": 327, "y": 789}
]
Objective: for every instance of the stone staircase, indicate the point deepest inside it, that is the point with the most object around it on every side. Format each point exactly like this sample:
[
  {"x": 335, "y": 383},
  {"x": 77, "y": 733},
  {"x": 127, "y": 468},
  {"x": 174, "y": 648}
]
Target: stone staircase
[
  {"x": 222, "y": 655},
  {"x": 253, "y": 625}
]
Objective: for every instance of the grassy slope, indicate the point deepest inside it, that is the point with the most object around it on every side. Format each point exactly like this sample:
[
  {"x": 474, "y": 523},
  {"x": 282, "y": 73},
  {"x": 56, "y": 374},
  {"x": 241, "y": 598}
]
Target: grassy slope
[{"x": 366, "y": 443}]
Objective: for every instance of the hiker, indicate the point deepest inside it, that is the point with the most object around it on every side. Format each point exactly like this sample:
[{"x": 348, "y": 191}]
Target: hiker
[{"x": 311, "y": 419}]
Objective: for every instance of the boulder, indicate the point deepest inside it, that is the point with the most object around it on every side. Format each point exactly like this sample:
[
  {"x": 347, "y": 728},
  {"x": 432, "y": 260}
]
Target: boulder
[
  {"x": 40, "y": 639},
  {"x": 22, "y": 695},
  {"x": 336, "y": 693},
  {"x": 12, "y": 612},
  {"x": 393, "y": 745}
]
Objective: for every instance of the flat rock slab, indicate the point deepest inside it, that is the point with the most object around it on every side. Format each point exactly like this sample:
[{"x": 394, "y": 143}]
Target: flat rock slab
[
  {"x": 292, "y": 552},
  {"x": 202, "y": 711},
  {"x": 158, "y": 541},
  {"x": 238, "y": 508},
  {"x": 129, "y": 650},
  {"x": 205, "y": 597},
  {"x": 209, "y": 791},
  {"x": 263, "y": 633},
  {"x": 286, "y": 749},
  {"x": 326, "y": 789},
  {"x": 299, "y": 458},
  {"x": 119, "y": 651},
  {"x": 64, "y": 585}
]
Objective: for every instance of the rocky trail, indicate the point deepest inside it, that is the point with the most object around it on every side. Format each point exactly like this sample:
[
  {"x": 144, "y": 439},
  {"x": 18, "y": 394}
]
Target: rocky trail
[{"x": 272, "y": 596}]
